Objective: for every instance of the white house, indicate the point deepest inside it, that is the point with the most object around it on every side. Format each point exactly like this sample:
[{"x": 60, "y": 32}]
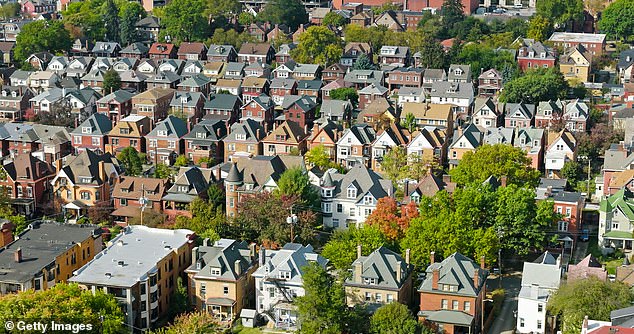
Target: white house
[
  {"x": 354, "y": 146},
  {"x": 616, "y": 221},
  {"x": 410, "y": 94},
  {"x": 562, "y": 149},
  {"x": 460, "y": 94},
  {"x": 485, "y": 113}
]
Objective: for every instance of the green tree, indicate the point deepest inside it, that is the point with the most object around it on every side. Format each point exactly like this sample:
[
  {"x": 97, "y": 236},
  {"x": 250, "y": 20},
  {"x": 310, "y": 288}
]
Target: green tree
[
  {"x": 334, "y": 19},
  {"x": 345, "y": 94},
  {"x": 131, "y": 161},
  {"x": 535, "y": 86},
  {"x": 410, "y": 122},
  {"x": 562, "y": 12},
  {"x": 130, "y": 14},
  {"x": 318, "y": 156},
  {"x": 318, "y": 45},
  {"x": 539, "y": 28},
  {"x": 245, "y": 18},
  {"x": 40, "y": 35},
  {"x": 617, "y": 20},
  {"x": 572, "y": 172},
  {"x": 216, "y": 196},
  {"x": 322, "y": 309},
  {"x": 65, "y": 303},
  {"x": 184, "y": 21},
  {"x": 363, "y": 63},
  {"x": 231, "y": 37},
  {"x": 182, "y": 161},
  {"x": 289, "y": 12},
  {"x": 83, "y": 19},
  {"x": 110, "y": 16},
  {"x": 393, "y": 318},
  {"x": 451, "y": 12},
  {"x": 192, "y": 323},
  {"x": 9, "y": 10},
  {"x": 111, "y": 81},
  {"x": 497, "y": 160},
  {"x": 294, "y": 182},
  {"x": 341, "y": 249},
  {"x": 372, "y": 35},
  {"x": 222, "y": 8},
  {"x": 179, "y": 301},
  {"x": 162, "y": 171},
  {"x": 574, "y": 300},
  {"x": 482, "y": 57}
]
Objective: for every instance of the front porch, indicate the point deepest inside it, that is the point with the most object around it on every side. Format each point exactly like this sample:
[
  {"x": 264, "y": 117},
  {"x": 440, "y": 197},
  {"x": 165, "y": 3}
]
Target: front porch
[
  {"x": 74, "y": 210},
  {"x": 618, "y": 240},
  {"x": 222, "y": 309},
  {"x": 450, "y": 321},
  {"x": 24, "y": 206}
]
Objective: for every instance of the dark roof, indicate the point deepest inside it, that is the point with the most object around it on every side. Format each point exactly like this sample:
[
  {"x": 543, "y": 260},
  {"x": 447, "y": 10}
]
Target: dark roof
[
  {"x": 99, "y": 124},
  {"x": 191, "y": 47},
  {"x": 221, "y": 101},
  {"x": 26, "y": 166},
  {"x": 148, "y": 22},
  {"x": 226, "y": 255}
]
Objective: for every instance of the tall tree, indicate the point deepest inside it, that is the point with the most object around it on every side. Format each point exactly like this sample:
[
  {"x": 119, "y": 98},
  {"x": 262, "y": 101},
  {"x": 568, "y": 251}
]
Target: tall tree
[
  {"x": 130, "y": 14},
  {"x": 451, "y": 12},
  {"x": 289, "y": 12},
  {"x": 345, "y": 94},
  {"x": 192, "y": 323},
  {"x": 393, "y": 318},
  {"x": 431, "y": 52},
  {"x": 363, "y": 63},
  {"x": 318, "y": 156},
  {"x": 40, "y": 35},
  {"x": 184, "y": 21},
  {"x": 294, "y": 182},
  {"x": 111, "y": 81},
  {"x": 535, "y": 86},
  {"x": 110, "y": 15},
  {"x": 539, "y": 28},
  {"x": 131, "y": 161},
  {"x": 562, "y": 12},
  {"x": 341, "y": 249},
  {"x": 334, "y": 19},
  {"x": 617, "y": 20},
  {"x": 392, "y": 221},
  {"x": 397, "y": 165},
  {"x": 9, "y": 10},
  {"x": 222, "y": 8},
  {"x": 318, "y": 44}
]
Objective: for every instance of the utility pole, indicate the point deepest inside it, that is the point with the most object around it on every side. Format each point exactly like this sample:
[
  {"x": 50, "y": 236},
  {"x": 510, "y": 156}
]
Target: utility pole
[
  {"x": 292, "y": 220},
  {"x": 143, "y": 201},
  {"x": 587, "y": 158}
]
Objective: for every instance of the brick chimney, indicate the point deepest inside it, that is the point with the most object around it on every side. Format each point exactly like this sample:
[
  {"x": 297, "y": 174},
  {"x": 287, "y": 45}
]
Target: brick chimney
[
  {"x": 399, "y": 271},
  {"x": 432, "y": 257},
  {"x": 435, "y": 278},
  {"x": 482, "y": 262},
  {"x": 6, "y": 235},
  {"x": 407, "y": 251},
  {"x": 358, "y": 271},
  {"x": 503, "y": 180},
  {"x": 17, "y": 255},
  {"x": 584, "y": 326},
  {"x": 476, "y": 277},
  {"x": 358, "y": 251},
  {"x": 102, "y": 170}
]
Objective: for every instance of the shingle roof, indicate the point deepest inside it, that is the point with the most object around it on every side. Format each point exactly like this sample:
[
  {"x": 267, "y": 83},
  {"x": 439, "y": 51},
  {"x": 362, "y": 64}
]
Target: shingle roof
[
  {"x": 365, "y": 180},
  {"x": 225, "y": 255},
  {"x": 382, "y": 264},
  {"x": 174, "y": 127},
  {"x": 99, "y": 124},
  {"x": 459, "y": 270}
]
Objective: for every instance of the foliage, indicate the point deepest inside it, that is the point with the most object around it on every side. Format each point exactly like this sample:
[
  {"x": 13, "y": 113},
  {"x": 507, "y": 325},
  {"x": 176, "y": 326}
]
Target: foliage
[
  {"x": 363, "y": 63},
  {"x": 179, "y": 303},
  {"x": 83, "y": 19},
  {"x": 452, "y": 12},
  {"x": 184, "y": 21},
  {"x": 386, "y": 6},
  {"x": 598, "y": 140},
  {"x": 60, "y": 113},
  {"x": 207, "y": 221},
  {"x": 345, "y": 94},
  {"x": 323, "y": 308},
  {"x": 562, "y": 12},
  {"x": 535, "y": 86},
  {"x": 397, "y": 165},
  {"x": 432, "y": 53},
  {"x": 289, "y": 12},
  {"x": 390, "y": 220},
  {"x": 410, "y": 122},
  {"x": 483, "y": 57},
  {"x": 182, "y": 161},
  {"x": 617, "y": 20},
  {"x": 64, "y": 303},
  {"x": 572, "y": 172},
  {"x": 111, "y": 81},
  {"x": 574, "y": 300},
  {"x": 192, "y": 323},
  {"x": 9, "y": 10},
  {"x": 371, "y": 35},
  {"x": 294, "y": 182},
  {"x": 110, "y": 17},
  {"x": 162, "y": 171},
  {"x": 318, "y": 156},
  {"x": 231, "y": 37},
  {"x": 393, "y": 318},
  {"x": 40, "y": 35},
  {"x": 539, "y": 28},
  {"x": 151, "y": 218},
  {"x": 130, "y": 14},
  {"x": 245, "y": 18},
  {"x": 216, "y": 195},
  {"x": 334, "y": 19},
  {"x": 222, "y": 8},
  {"x": 131, "y": 161},
  {"x": 341, "y": 249},
  {"x": 318, "y": 45},
  {"x": 497, "y": 160}
]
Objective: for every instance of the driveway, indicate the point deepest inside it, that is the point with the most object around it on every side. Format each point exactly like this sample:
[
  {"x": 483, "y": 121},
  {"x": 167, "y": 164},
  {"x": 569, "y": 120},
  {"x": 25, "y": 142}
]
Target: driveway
[{"x": 505, "y": 321}]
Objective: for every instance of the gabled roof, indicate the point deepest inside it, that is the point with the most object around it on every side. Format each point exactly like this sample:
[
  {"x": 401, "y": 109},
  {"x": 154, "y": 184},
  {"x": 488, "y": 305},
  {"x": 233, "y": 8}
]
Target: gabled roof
[
  {"x": 172, "y": 125},
  {"x": 486, "y": 103},
  {"x": 260, "y": 49},
  {"x": 86, "y": 166},
  {"x": 162, "y": 48},
  {"x": 335, "y": 108},
  {"x": 119, "y": 96},
  {"x": 519, "y": 110},
  {"x": 363, "y": 132},
  {"x": 258, "y": 170},
  {"x": 198, "y": 80},
  {"x": 105, "y": 47},
  {"x": 191, "y": 48},
  {"x": 148, "y": 22},
  {"x": 134, "y": 187},
  {"x": 249, "y": 128},
  {"x": 545, "y": 272},
  {"x": 292, "y": 258},
  {"x": 490, "y": 73},
  {"x": 196, "y": 180},
  {"x": 457, "y": 270},
  {"x": 304, "y": 102},
  {"x": 292, "y": 132},
  {"x": 186, "y": 99},
  {"x": 28, "y": 167},
  {"x": 207, "y": 130},
  {"x": 382, "y": 264},
  {"x": 227, "y": 255},
  {"x": 221, "y": 101},
  {"x": 220, "y": 50},
  {"x": 99, "y": 124},
  {"x": 136, "y": 49},
  {"x": 472, "y": 134},
  {"x": 366, "y": 182}
]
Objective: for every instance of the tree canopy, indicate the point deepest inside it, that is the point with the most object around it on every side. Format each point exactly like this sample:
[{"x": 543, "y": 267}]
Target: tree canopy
[
  {"x": 617, "y": 20},
  {"x": 131, "y": 161},
  {"x": 392, "y": 221},
  {"x": 539, "y": 28},
  {"x": 535, "y": 86},
  {"x": 40, "y": 35},
  {"x": 111, "y": 81},
  {"x": 318, "y": 45},
  {"x": 393, "y": 318},
  {"x": 294, "y": 182},
  {"x": 184, "y": 21},
  {"x": 192, "y": 323},
  {"x": 319, "y": 156},
  {"x": 562, "y": 12},
  {"x": 289, "y": 12},
  {"x": 345, "y": 94},
  {"x": 334, "y": 19},
  {"x": 341, "y": 249}
]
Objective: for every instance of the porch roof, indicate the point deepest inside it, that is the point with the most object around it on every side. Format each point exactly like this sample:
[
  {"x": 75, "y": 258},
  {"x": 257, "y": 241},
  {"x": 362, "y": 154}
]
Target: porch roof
[
  {"x": 127, "y": 211},
  {"x": 447, "y": 317},
  {"x": 221, "y": 301},
  {"x": 618, "y": 235},
  {"x": 75, "y": 205}
]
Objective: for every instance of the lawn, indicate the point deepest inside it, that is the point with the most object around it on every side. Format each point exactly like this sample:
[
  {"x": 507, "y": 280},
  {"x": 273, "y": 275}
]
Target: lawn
[{"x": 246, "y": 330}]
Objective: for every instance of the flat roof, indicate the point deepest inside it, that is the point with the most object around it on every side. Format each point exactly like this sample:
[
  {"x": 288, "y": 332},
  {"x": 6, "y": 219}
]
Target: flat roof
[
  {"x": 40, "y": 245},
  {"x": 577, "y": 37},
  {"x": 139, "y": 247}
]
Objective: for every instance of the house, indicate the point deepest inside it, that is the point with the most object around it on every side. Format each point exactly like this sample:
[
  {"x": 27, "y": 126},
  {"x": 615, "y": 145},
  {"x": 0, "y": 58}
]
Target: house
[
  {"x": 14, "y": 102},
  {"x": 430, "y": 144},
  {"x": 129, "y": 190},
  {"x": 165, "y": 80},
  {"x": 432, "y": 75},
  {"x": 222, "y": 53},
  {"x": 221, "y": 277},
  {"x": 575, "y": 65},
  {"x": 333, "y": 72},
  {"x": 116, "y": 105},
  {"x": 371, "y": 93},
  {"x": 130, "y": 131},
  {"x": 531, "y": 140},
  {"x": 286, "y": 138},
  {"x": 336, "y": 110},
  {"x": 27, "y": 183},
  {"x": 136, "y": 50},
  {"x": 40, "y": 81},
  {"x": 327, "y": 135},
  {"x": 81, "y": 47},
  {"x": 58, "y": 65},
  {"x": 222, "y": 106},
  {"x": 587, "y": 268},
  {"x": 562, "y": 148},
  {"x": 284, "y": 53},
  {"x": 278, "y": 280},
  {"x": 253, "y": 87},
  {"x": 85, "y": 181},
  {"x": 498, "y": 135},
  {"x": 402, "y": 77},
  {"x": 380, "y": 278},
  {"x": 171, "y": 65},
  {"x": 298, "y": 108},
  {"x": 519, "y": 115},
  {"x": 459, "y": 94},
  {"x": 540, "y": 279},
  {"x": 230, "y": 86},
  {"x": 427, "y": 187},
  {"x": 353, "y": 148},
  {"x": 35, "y": 7},
  {"x": 486, "y": 114},
  {"x": 616, "y": 220},
  {"x": 363, "y": 19},
  {"x": 306, "y": 71},
  {"x": 106, "y": 49},
  {"x": 162, "y": 51},
  {"x": 259, "y": 109},
  {"x": 259, "y": 30},
  {"x": 594, "y": 43},
  {"x": 192, "y": 51},
  {"x": 378, "y": 113},
  {"x": 78, "y": 66},
  {"x": 39, "y": 61},
  {"x": 45, "y": 254},
  {"x": 165, "y": 141},
  {"x": 243, "y": 140},
  {"x": 135, "y": 266},
  {"x": 310, "y": 88},
  {"x": 569, "y": 205},
  {"x": 20, "y": 78},
  {"x": 188, "y": 105},
  {"x": 92, "y": 134},
  {"x": 535, "y": 55},
  {"x": 257, "y": 69},
  {"x": 153, "y": 103},
  {"x": 362, "y": 78},
  {"x": 148, "y": 28},
  {"x": 490, "y": 83},
  {"x": 94, "y": 79},
  {"x": 429, "y": 114},
  {"x": 53, "y": 143},
  {"x": 214, "y": 70},
  {"x": 394, "y": 55},
  {"x": 252, "y": 52},
  {"x": 348, "y": 199},
  {"x": 281, "y": 87},
  {"x": 205, "y": 141},
  {"x": 465, "y": 140},
  {"x": 386, "y": 140},
  {"x": 625, "y": 66},
  {"x": 234, "y": 70},
  {"x": 353, "y": 50},
  {"x": 452, "y": 294},
  {"x": 459, "y": 73},
  {"x": 190, "y": 183},
  {"x": 330, "y": 86},
  {"x": 192, "y": 67}
]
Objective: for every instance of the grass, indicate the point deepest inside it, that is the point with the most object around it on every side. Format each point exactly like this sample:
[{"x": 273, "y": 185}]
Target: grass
[
  {"x": 246, "y": 330},
  {"x": 612, "y": 264}
]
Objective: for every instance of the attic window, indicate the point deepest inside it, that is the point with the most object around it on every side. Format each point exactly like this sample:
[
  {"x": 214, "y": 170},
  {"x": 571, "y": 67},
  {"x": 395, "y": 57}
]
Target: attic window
[
  {"x": 86, "y": 129},
  {"x": 352, "y": 192},
  {"x": 241, "y": 136},
  {"x": 86, "y": 179},
  {"x": 162, "y": 133},
  {"x": 285, "y": 275},
  {"x": 371, "y": 281},
  {"x": 183, "y": 189},
  {"x": 200, "y": 135},
  {"x": 215, "y": 271}
]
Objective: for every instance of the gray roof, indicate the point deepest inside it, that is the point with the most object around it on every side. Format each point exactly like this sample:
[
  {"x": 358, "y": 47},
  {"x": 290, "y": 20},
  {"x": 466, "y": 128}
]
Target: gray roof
[
  {"x": 310, "y": 84},
  {"x": 499, "y": 135},
  {"x": 306, "y": 68},
  {"x": 550, "y": 105},
  {"x": 86, "y": 165},
  {"x": 282, "y": 83},
  {"x": 221, "y": 101},
  {"x": 466, "y": 72},
  {"x": 335, "y": 108},
  {"x": 249, "y": 128},
  {"x": 472, "y": 133},
  {"x": 207, "y": 131},
  {"x": 462, "y": 90},
  {"x": 186, "y": 99},
  {"x": 84, "y": 95},
  {"x": 626, "y": 59},
  {"x": 364, "y": 76},
  {"x": 447, "y": 317},
  {"x": 373, "y": 89},
  {"x": 225, "y": 255},
  {"x": 544, "y": 272},
  {"x": 19, "y": 132},
  {"x": 197, "y": 80},
  {"x": 196, "y": 180},
  {"x": 394, "y": 51},
  {"x": 623, "y": 312},
  {"x": 139, "y": 247},
  {"x": 105, "y": 47},
  {"x": 459, "y": 270},
  {"x": 365, "y": 180},
  {"x": 164, "y": 77},
  {"x": 120, "y": 96},
  {"x": 259, "y": 169},
  {"x": 51, "y": 134},
  {"x": 99, "y": 124},
  {"x": 220, "y": 50},
  {"x": 148, "y": 22},
  {"x": 521, "y": 110},
  {"x": 174, "y": 126},
  {"x": 617, "y": 159},
  {"x": 21, "y": 75},
  {"x": 41, "y": 244},
  {"x": 292, "y": 258},
  {"x": 382, "y": 264},
  {"x": 305, "y": 102},
  {"x": 363, "y": 132},
  {"x": 136, "y": 48}
]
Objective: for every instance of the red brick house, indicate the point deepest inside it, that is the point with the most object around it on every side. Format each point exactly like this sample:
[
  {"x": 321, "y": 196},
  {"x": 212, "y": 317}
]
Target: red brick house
[
  {"x": 371, "y": 93},
  {"x": 33, "y": 7},
  {"x": 222, "y": 106},
  {"x": 253, "y": 87},
  {"x": 205, "y": 140},
  {"x": 405, "y": 77},
  {"x": 259, "y": 109},
  {"x": 281, "y": 87},
  {"x": 285, "y": 139},
  {"x": 300, "y": 109},
  {"x": 192, "y": 51},
  {"x": 334, "y": 72},
  {"x": 127, "y": 192},
  {"x": 92, "y": 134},
  {"x": 129, "y": 132},
  {"x": 326, "y": 134},
  {"x": 165, "y": 141},
  {"x": 253, "y": 52},
  {"x": 27, "y": 182},
  {"x": 162, "y": 51},
  {"x": 153, "y": 103},
  {"x": 115, "y": 105},
  {"x": 536, "y": 55}
]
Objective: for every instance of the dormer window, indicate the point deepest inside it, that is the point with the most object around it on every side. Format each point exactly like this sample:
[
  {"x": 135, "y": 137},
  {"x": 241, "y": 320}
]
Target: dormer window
[
  {"x": 200, "y": 135},
  {"x": 327, "y": 193},
  {"x": 370, "y": 281},
  {"x": 215, "y": 271},
  {"x": 241, "y": 136},
  {"x": 124, "y": 131},
  {"x": 183, "y": 189},
  {"x": 284, "y": 274},
  {"x": 86, "y": 179},
  {"x": 86, "y": 129},
  {"x": 14, "y": 94},
  {"x": 368, "y": 200},
  {"x": 183, "y": 99},
  {"x": 162, "y": 133},
  {"x": 352, "y": 192}
]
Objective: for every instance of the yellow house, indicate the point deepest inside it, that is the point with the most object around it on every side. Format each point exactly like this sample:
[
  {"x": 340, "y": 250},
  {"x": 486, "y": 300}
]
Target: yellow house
[
  {"x": 575, "y": 64},
  {"x": 465, "y": 140},
  {"x": 220, "y": 278}
]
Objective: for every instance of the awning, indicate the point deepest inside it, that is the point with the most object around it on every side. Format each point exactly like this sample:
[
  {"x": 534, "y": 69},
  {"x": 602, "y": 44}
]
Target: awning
[
  {"x": 447, "y": 317},
  {"x": 127, "y": 211},
  {"x": 75, "y": 205},
  {"x": 618, "y": 235},
  {"x": 22, "y": 201},
  {"x": 182, "y": 198},
  {"x": 221, "y": 301}
]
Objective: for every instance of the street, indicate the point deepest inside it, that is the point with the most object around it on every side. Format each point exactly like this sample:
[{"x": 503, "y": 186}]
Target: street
[{"x": 505, "y": 321}]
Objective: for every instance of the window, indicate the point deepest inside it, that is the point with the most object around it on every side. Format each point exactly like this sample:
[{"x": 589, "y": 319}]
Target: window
[
  {"x": 455, "y": 305},
  {"x": 353, "y": 212},
  {"x": 467, "y": 306},
  {"x": 378, "y": 298},
  {"x": 96, "y": 141},
  {"x": 215, "y": 271},
  {"x": 225, "y": 290},
  {"x": 521, "y": 322},
  {"x": 368, "y": 200},
  {"x": 327, "y": 192},
  {"x": 340, "y": 208},
  {"x": 171, "y": 144},
  {"x": 615, "y": 226},
  {"x": 133, "y": 142},
  {"x": 203, "y": 289},
  {"x": 352, "y": 192},
  {"x": 123, "y": 201},
  {"x": 368, "y": 296},
  {"x": 152, "y": 142},
  {"x": 85, "y": 195},
  {"x": 77, "y": 139},
  {"x": 539, "y": 324},
  {"x": 390, "y": 298},
  {"x": 327, "y": 207},
  {"x": 19, "y": 191},
  {"x": 285, "y": 275},
  {"x": 369, "y": 281},
  {"x": 444, "y": 304},
  {"x": 540, "y": 308},
  {"x": 568, "y": 212},
  {"x": 335, "y": 222}
]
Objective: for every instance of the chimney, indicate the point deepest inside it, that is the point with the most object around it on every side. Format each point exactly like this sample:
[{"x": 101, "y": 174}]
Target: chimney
[
  {"x": 262, "y": 255},
  {"x": 194, "y": 254},
  {"x": 58, "y": 165},
  {"x": 306, "y": 128},
  {"x": 503, "y": 180},
  {"x": 476, "y": 278},
  {"x": 407, "y": 256},
  {"x": 358, "y": 271},
  {"x": 559, "y": 261},
  {"x": 482, "y": 262},
  {"x": 446, "y": 178},
  {"x": 6, "y": 235},
  {"x": 228, "y": 129},
  {"x": 257, "y": 133},
  {"x": 102, "y": 171},
  {"x": 584, "y": 326},
  {"x": 399, "y": 271},
  {"x": 435, "y": 278},
  {"x": 218, "y": 173},
  {"x": 252, "y": 250},
  {"x": 534, "y": 291},
  {"x": 237, "y": 267},
  {"x": 432, "y": 257},
  {"x": 358, "y": 251},
  {"x": 17, "y": 255}
]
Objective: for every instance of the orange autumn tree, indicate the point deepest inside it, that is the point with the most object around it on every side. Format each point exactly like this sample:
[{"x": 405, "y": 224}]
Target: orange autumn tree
[{"x": 390, "y": 219}]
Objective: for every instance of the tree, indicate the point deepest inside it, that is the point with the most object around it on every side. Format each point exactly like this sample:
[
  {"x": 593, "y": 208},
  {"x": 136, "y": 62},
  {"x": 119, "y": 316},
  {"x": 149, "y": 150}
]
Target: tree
[
  {"x": 182, "y": 161},
  {"x": 562, "y": 12},
  {"x": 289, "y": 12},
  {"x": 192, "y": 323},
  {"x": 410, "y": 122},
  {"x": 391, "y": 221},
  {"x": 345, "y": 94},
  {"x": 323, "y": 307},
  {"x": 162, "y": 171},
  {"x": 65, "y": 303},
  {"x": 432, "y": 53},
  {"x": 574, "y": 300},
  {"x": 363, "y": 63},
  {"x": 40, "y": 35},
  {"x": 617, "y": 20},
  {"x": 130, "y": 14},
  {"x": 111, "y": 81},
  {"x": 9, "y": 10},
  {"x": 216, "y": 196},
  {"x": 452, "y": 12},
  {"x": 246, "y": 19},
  {"x": 535, "y": 86},
  {"x": 184, "y": 21},
  {"x": 83, "y": 19},
  {"x": 497, "y": 160},
  {"x": 481, "y": 56},
  {"x": 372, "y": 35},
  {"x": 318, "y": 44},
  {"x": 179, "y": 303},
  {"x": 231, "y": 37},
  {"x": 539, "y": 28},
  {"x": 60, "y": 114},
  {"x": 294, "y": 182},
  {"x": 151, "y": 218},
  {"x": 397, "y": 165},
  {"x": 110, "y": 16},
  {"x": 208, "y": 221},
  {"x": 393, "y": 318},
  {"x": 572, "y": 172},
  {"x": 319, "y": 156},
  {"x": 222, "y": 8},
  {"x": 131, "y": 161},
  {"x": 341, "y": 249},
  {"x": 334, "y": 19}
]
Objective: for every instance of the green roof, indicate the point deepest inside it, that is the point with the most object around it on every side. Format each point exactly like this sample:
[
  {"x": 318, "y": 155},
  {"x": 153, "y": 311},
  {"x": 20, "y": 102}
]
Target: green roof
[
  {"x": 618, "y": 235},
  {"x": 623, "y": 200}
]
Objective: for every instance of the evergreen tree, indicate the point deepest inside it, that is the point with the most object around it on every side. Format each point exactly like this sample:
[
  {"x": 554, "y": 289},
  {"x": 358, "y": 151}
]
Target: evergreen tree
[
  {"x": 111, "y": 81},
  {"x": 130, "y": 15},
  {"x": 110, "y": 15},
  {"x": 363, "y": 63}
]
